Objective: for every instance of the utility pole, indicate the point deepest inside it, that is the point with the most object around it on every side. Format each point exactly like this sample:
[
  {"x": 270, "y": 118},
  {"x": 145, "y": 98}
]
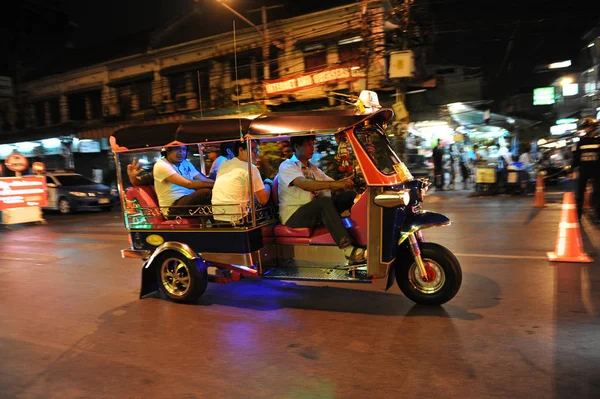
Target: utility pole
[{"x": 266, "y": 39}]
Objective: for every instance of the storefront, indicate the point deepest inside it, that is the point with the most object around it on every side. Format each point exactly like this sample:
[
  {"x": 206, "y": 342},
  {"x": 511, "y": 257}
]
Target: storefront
[
  {"x": 421, "y": 138},
  {"x": 63, "y": 152}
]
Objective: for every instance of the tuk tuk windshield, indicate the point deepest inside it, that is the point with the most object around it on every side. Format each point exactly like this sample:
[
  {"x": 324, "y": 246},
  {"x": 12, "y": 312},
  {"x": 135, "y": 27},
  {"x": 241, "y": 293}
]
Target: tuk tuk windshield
[{"x": 377, "y": 146}]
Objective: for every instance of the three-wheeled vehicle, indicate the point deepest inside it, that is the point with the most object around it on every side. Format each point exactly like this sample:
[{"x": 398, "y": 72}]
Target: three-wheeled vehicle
[{"x": 387, "y": 216}]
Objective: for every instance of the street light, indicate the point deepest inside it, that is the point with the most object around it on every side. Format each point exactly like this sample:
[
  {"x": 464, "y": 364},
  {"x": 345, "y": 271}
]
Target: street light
[
  {"x": 566, "y": 81},
  {"x": 261, "y": 33}
]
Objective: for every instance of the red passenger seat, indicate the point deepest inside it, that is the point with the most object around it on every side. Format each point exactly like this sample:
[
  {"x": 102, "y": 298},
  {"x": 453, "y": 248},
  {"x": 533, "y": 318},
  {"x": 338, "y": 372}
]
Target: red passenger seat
[{"x": 146, "y": 198}]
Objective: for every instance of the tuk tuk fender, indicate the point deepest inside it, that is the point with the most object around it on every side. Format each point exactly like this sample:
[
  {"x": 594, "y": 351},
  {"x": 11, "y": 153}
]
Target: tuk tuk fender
[
  {"x": 419, "y": 221},
  {"x": 149, "y": 282}
]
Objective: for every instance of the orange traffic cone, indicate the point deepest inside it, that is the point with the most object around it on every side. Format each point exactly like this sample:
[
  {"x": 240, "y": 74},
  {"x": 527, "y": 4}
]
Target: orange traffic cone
[
  {"x": 539, "y": 201},
  {"x": 569, "y": 247},
  {"x": 587, "y": 199}
]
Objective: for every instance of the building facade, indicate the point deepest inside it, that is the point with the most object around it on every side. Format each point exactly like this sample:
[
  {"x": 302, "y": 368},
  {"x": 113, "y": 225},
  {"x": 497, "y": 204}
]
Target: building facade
[{"x": 68, "y": 117}]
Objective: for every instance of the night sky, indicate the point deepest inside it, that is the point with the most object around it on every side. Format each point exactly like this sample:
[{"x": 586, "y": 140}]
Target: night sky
[{"x": 468, "y": 32}]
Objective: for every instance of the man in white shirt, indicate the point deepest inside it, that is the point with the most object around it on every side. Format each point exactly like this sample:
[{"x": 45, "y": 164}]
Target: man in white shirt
[
  {"x": 230, "y": 196},
  {"x": 225, "y": 153},
  {"x": 178, "y": 183},
  {"x": 305, "y": 197}
]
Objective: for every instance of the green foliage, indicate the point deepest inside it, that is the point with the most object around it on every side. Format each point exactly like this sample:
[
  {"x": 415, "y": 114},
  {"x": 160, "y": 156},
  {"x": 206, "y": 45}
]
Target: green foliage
[{"x": 273, "y": 153}]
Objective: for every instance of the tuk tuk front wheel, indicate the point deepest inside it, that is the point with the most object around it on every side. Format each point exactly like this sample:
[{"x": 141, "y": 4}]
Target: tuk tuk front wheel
[
  {"x": 443, "y": 272},
  {"x": 181, "y": 279}
]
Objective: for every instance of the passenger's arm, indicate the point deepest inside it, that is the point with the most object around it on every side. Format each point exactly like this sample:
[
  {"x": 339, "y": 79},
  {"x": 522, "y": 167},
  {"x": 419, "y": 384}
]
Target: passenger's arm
[
  {"x": 176, "y": 178},
  {"x": 317, "y": 185},
  {"x": 263, "y": 195},
  {"x": 203, "y": 178},
  {"x": 133, "y": 172},
  {"x": 144, "y": 180}
]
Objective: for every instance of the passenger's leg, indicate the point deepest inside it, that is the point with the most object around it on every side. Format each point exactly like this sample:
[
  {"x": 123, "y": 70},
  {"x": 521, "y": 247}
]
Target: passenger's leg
[
  {"x": 322, "y": 211},
  {"x": 191, "y": 202}
]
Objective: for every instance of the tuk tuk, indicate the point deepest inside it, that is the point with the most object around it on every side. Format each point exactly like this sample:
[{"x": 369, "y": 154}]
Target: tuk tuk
[{"x": 182, "y": 254}]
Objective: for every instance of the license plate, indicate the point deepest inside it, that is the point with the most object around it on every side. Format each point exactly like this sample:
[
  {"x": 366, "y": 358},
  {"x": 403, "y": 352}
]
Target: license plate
[{"x": 104, "y": 201}]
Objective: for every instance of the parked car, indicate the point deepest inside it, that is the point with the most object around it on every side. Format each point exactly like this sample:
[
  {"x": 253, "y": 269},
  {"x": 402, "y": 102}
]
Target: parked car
[{"x": 69, "y": 192}]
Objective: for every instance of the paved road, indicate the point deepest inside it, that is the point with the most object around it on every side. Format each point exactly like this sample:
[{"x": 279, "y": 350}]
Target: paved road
[{"x": 72, "y": 326}]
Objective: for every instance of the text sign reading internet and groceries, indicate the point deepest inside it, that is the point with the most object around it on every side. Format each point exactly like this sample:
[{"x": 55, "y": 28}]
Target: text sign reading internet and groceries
[
  {"x": 313, "y": 79},
  {"x": 21, "y": 192}
]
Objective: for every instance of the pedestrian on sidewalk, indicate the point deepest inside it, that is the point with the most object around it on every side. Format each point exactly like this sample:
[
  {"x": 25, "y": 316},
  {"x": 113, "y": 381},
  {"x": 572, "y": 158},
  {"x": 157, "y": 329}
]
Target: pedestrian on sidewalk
[
  {"x": 453, "y": 157},
  {"x": 465, "y": 167},
  {"x": 438, "y": 165}
]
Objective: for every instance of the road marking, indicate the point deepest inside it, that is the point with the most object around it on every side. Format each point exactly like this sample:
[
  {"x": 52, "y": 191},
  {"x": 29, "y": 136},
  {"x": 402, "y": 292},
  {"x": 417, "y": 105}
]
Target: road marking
[
  {"x": 34, "y": 258},
  {"x": 565, "y": 225},
  {"x": 501, "y": 256}
]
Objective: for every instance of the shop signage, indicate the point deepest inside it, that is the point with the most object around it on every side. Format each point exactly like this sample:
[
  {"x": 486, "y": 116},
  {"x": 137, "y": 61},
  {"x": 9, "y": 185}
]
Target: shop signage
[
  {"x": 543, "y": 96},
  {"x": 89, "y": 146},
  {"x": 20, "y": 192},
  {"x": 566, "y": 120},
  {"x": 402, "y": 64},
  {"x": 571, "y": 89},
  {"x": 16, "y": 162},
  {"x": 313, "y": 79},
  {"x": 558, "y": 130}
]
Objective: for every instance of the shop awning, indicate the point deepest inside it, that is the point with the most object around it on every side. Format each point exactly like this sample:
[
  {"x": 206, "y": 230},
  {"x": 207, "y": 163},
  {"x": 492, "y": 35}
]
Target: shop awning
[
  {"x": 125, "y": 80},
  {"x": 467, "y": 115},
  {"x": 332, "y": 37},
  {"x": 190, "y": 66},
  {"x": 97, "y": 133},
  {"x": 37, "y": 134},
  {"x": 83, "y": 88}
]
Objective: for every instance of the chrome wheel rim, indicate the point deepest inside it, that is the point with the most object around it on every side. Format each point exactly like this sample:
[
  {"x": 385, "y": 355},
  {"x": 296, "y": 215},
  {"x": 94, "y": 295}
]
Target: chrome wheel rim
[
  {"x": 175, "y": 276},
  {"x": 432, "y": 285},
  {"x": 64, "y": 206}
]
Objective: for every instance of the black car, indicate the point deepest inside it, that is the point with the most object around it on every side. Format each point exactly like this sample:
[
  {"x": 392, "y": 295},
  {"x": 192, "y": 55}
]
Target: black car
[{"x": 68, "y": 192}]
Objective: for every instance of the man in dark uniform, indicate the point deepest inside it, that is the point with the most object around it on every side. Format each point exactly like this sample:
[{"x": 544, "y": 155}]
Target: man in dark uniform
[
  {"x": 438, "y": 167},
  {"x": 586, "y": 157}
]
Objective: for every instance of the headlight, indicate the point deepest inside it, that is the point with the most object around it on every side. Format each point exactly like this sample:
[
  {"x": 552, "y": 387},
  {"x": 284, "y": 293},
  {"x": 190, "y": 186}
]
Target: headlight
[
  {"x": 78, "y": 193},
  {"x": 406, "y": 197},
  {"x": 114, "y": 191},
  {"x": 393, "y": 199}
]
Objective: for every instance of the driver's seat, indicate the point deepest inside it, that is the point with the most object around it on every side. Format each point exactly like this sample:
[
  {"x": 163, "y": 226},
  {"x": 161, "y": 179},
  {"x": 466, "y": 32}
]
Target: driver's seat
[
  {"x": 283, "y": 230},
  {"x": 297, "y": 235}
]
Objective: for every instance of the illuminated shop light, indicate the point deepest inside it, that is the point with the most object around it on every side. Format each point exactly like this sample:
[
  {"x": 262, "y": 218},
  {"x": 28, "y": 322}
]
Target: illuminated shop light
[
  {"x": 6, "y": 150},
  {"x": 26, "y": 146},
  {"x": 354, "y": 39},
  {"x": 51, "y": 143},
  {"x": 561, "y": 64}
]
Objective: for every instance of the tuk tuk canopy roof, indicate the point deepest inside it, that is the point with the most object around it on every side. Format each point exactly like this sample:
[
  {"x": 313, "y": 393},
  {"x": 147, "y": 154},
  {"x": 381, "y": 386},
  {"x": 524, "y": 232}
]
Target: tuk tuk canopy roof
[{"x": 271, "y": 125}]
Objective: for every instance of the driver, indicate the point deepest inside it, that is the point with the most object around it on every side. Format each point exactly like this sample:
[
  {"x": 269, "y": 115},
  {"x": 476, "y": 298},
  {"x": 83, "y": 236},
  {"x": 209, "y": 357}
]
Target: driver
[
  {"x": 305, "y": 197},
  {"x": 178, "y": 183}
]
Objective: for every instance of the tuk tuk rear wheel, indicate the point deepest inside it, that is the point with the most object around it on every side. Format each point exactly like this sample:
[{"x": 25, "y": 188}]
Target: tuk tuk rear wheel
[
  {"x": 181, "y": 279},
  {"x": 443, "y": 270}
]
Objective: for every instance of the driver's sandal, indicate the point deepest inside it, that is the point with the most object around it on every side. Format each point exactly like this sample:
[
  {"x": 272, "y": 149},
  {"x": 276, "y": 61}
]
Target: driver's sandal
[{"x": 357, "y": 256}]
